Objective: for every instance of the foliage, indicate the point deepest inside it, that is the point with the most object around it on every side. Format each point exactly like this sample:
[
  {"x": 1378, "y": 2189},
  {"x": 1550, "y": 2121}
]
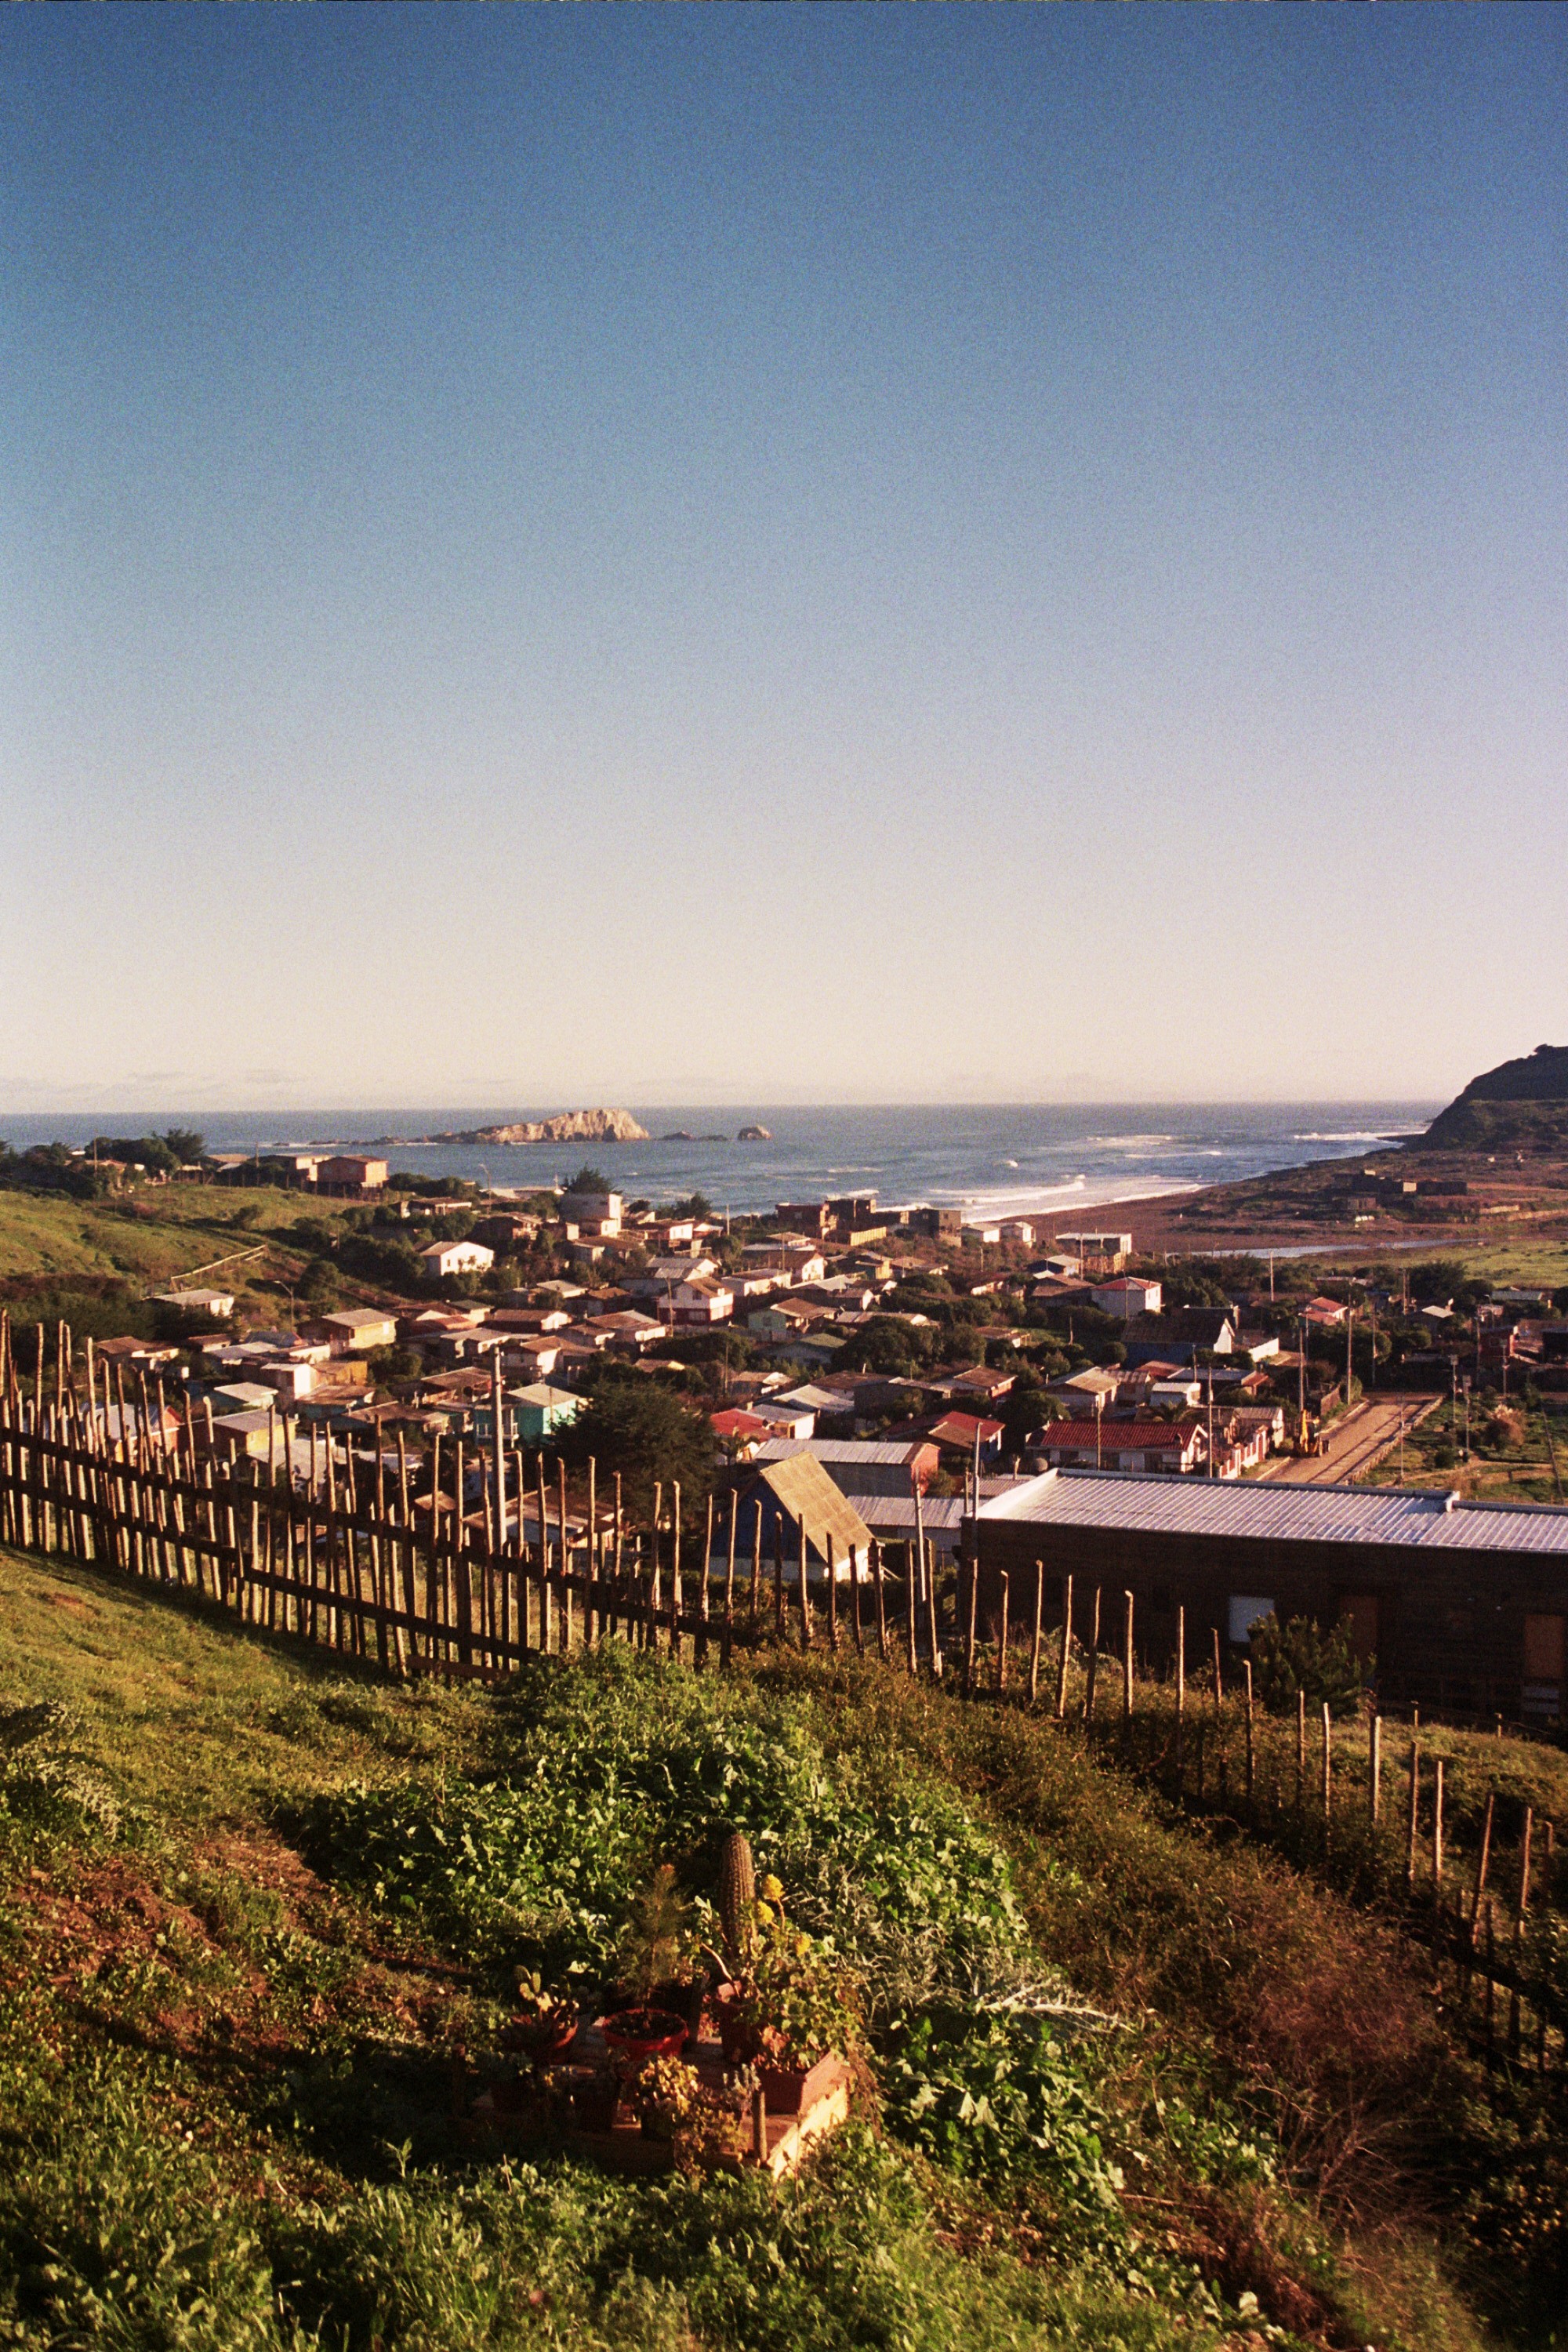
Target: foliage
[
  {"x": 656, "y": 1942},
  {"x": 589, "y": 1179},
  {"x": 992, "y": 2095},
  {"x": 1298, "y": 1656},
  {"x": 795, "y": 2004},
  {"x": 648, "y": 1437}
]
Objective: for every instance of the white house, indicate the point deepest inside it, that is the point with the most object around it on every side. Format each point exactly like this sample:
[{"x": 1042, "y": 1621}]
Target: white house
[
  {"x": 1127, "y": 1296},
  {"x": 443, "y": 1259}
]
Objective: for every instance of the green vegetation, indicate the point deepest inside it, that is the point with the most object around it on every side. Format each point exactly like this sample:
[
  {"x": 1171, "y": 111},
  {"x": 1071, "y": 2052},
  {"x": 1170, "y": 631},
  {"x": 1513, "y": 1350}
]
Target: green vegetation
[{"x": 1127, "y": 2081}]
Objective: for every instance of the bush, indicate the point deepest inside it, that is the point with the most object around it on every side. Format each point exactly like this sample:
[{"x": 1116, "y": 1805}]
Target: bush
[{"x": 1300, "y": 1657}]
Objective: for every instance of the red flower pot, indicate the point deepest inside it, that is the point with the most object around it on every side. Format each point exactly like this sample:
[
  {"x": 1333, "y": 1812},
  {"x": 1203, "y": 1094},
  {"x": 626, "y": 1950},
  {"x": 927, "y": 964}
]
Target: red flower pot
[{"x": 638, "y": 2034}]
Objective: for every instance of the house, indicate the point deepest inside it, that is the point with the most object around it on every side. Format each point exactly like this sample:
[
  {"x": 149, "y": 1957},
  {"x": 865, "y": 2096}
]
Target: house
[
  {"x": 1462, "y": 1605},
  {"x": 505, "y": 1232},
  {"x": 834, "y": 1403},
  {"x": 527, "y": 1322},
  {"x": 863, "y": 1465},
  {"x": 1126, "y": 1445},
  {"x": 1018, "y": 1229},
  {"x": 1126, "y": 1296},
  {"x": 591, "y": 1216},
  {"x": 982, "y": 1384},
  {"x": 692, "y": 1305},
  {"x": 354, "y": 1329},
  {"x": 350, "y": 1176},
  {"x": 984, "y": 1234},
  {"x": 785, "y": 1319},
  {"x": 289, "y": 1376},
  {"x": 625, "y": 1331},
  {"x": 144, "y": 1354},
  {"x": 539, "y": 1410},
  {"x": 790, "y": 1503},
  {"x": 933, "y": 1225},
  {"x": 785, "y": 1420},
  {"x": 1098, "y": 1253},
  {"x": 443, "y": 1259},
  {"x": 1087, "y": 1392},
  {"x": 217, "y": 1303},
  {"x": 243, "y": 1396},
  {"x": 966, "y": 1434},
  {"x": 1323, "y": 1314},
  {"x": 738, "y": 1433},
  {"x": 248, "y": 1435}
]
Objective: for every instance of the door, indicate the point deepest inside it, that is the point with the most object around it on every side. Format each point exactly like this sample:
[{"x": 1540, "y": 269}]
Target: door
[
  {"x": 1541, "y": 1695},
  {"x": 1359, "y": 1612}
]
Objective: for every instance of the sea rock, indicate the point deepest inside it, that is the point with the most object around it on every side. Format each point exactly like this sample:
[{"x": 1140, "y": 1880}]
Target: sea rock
[
  {"x": 565, "y": 1127},
  {"x": 755, "y": 1135}
]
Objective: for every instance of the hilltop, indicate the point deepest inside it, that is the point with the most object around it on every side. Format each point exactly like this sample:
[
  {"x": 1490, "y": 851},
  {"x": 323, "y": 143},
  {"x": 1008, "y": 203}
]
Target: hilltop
[{"x": 1522, "y": 1105}]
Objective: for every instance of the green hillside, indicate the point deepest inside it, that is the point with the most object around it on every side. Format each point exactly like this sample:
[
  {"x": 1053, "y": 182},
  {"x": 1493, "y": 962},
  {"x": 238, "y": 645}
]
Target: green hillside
[{"x": 1125, "y": 2081}]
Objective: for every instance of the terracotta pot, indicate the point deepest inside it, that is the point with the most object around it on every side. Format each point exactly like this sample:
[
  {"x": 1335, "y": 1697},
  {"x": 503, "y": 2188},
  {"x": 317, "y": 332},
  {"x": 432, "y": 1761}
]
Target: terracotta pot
[
  {"x": 594, "y": 2100},
  {"x": 790, "y": 2090},
  {"x": 547, "y": 2037},
  {"x": 737, "y": 2036},
  {"x": 642, "y": 2034}
]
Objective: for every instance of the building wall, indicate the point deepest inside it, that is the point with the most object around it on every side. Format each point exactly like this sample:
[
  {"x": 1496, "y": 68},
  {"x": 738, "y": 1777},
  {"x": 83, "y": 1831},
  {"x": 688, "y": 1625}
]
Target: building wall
[{"x": 1449, "y": 1628}]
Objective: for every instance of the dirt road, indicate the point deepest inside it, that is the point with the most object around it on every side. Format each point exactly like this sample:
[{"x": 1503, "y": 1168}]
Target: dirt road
[{"x": 1357, "y": 1440}]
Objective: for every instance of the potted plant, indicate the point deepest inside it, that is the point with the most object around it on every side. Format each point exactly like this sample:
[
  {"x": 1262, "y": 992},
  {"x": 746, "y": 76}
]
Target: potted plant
[
  {"x": 546, "y": 2022},
  {"x": 654, "y": 1959},
  {"x": 593, "y": 2093},
  {"x": 793, "y": 2008},
  {"x": 702, "y": 2125}
]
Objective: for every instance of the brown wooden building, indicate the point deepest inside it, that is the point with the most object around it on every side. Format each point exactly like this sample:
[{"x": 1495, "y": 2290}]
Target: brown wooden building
[{"x": 1462, "y": 1605}]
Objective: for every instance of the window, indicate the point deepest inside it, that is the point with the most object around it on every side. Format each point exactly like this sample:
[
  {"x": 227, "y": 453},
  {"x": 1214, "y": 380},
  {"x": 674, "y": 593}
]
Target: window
[{"x": 1245, "y": 1608}]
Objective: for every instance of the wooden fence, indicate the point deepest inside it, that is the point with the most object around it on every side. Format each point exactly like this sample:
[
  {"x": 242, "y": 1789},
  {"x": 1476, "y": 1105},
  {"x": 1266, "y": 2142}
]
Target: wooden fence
[
  {"x": 485, "y": 1567},
  {"x": 338, "y": 1550}
]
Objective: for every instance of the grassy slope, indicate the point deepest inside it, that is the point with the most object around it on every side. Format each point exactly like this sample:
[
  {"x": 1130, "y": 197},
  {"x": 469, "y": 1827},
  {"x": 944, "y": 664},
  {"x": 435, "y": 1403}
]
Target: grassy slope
[
  {"x": 158, "y": 1230},
  {"x": 210, "y": 2047}
]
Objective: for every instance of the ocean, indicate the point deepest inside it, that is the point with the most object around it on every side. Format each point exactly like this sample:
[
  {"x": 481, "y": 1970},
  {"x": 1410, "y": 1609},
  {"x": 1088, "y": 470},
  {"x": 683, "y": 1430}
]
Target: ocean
[{"x": 990, "y": 1161}]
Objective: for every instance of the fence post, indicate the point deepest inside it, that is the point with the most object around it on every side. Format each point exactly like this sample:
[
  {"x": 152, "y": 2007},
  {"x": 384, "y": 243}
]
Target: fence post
[
  {"x": 1374, "y": 1766},
  {"x": 1039, "y": 1622},
  {"x": 856, "y": 1597},
  {"x": 1002, "y": 1642},
  {"x": 1413, "y": 1817},
  {"x": 1127, "y": 1658},
  {"x": 933, "y": 1635},
  {"x": 1251, "y": 1731},
  {"x": 1061, "y": 1708},
  {"x": 804, "y": 1587},
  {"x": 1328, "y": 1790},
  {"x": 1093, "y": 1676},
  {"x": 881, "y": 1601},
  {"x": 1437, "y": 1823},
  {"x": 729, "y": 1583},
  {"x": 832, "y": 1595}
]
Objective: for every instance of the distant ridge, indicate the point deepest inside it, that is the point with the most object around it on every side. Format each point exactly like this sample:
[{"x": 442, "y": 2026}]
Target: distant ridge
[{"x": 1523, "y": 1103}]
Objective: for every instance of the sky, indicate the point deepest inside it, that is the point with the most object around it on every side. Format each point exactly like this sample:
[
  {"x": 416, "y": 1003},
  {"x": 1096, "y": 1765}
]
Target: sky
[{"x": 816, "y": 553}]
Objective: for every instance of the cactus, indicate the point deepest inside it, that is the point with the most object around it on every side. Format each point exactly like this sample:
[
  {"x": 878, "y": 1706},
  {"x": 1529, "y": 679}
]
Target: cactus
[{"x": 737, "y": 1897}]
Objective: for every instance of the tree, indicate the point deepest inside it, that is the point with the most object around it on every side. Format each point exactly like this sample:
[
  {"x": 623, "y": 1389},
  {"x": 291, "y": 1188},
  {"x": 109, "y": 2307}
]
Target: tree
[
  {"x": 185, "y": 1144},
  {"x": 645, "y": 1434},
  {"x": 590, "y": 1180},
  {"x": 1298, "y": 1656}
]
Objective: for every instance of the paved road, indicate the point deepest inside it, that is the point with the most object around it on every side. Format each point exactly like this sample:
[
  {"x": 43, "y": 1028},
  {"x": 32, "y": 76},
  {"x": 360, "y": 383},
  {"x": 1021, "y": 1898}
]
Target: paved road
[{"x": 1358, "y": 1439}]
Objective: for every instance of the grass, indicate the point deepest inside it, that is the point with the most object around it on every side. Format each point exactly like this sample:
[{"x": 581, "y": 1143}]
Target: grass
[
  {"x": 1231, "y": 2113},
  {"x": 153, "y": 1232},
  {"x": 1522, "y": 1473}
]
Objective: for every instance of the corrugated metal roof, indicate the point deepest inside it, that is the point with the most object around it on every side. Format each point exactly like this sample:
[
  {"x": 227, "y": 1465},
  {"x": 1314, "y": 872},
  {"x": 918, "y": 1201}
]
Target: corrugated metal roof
[
  {"x": 1206, "y": 1507},
  {"x": 840, "y": 1449}
]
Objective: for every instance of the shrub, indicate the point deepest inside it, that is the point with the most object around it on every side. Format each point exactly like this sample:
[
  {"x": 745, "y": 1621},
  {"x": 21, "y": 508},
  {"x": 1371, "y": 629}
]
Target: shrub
[{"x": 1298, "y": 1656}]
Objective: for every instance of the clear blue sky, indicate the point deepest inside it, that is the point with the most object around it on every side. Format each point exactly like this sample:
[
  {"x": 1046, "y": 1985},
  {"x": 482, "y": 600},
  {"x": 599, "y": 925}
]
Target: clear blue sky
[{"x": 657, "y": 553}]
